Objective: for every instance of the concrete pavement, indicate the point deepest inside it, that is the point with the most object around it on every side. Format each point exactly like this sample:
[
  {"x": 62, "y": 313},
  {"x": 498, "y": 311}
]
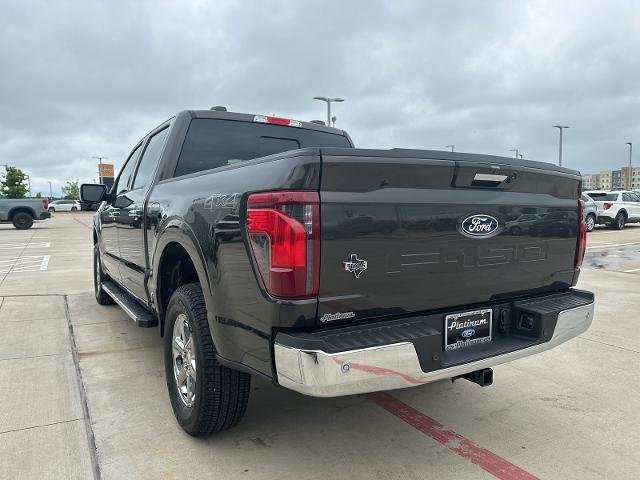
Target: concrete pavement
[{"x": 84, "y": 395}]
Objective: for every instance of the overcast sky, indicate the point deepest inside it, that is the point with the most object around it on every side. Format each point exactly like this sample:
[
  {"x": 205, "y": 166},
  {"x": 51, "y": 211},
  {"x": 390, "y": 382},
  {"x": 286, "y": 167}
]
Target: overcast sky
[{"x": 90, "y": 78}]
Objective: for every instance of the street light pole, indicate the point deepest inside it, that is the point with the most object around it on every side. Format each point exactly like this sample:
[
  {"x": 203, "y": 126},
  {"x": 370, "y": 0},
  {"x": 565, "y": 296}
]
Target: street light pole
[
  {"x": 100, "y": 167},
  {"x": 514, "y": 150},
  {"x": 50, "y": 191},
  {"x": 329, "y": 100},
  {"x": 450, "y": 146},
  {"x": 560, "y": 128},
  {"x": 630, "y": 153}
]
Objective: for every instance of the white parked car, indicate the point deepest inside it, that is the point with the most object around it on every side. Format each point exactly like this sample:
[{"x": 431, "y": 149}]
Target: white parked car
[
  {"x": 65, "y": 206},
  {"x": 617, "y": 208}
]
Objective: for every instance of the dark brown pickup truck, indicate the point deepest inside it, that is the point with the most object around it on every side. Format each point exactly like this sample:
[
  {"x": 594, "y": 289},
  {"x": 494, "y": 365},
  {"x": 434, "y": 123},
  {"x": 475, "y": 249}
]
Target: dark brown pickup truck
[{"x": 267, "y": 246}]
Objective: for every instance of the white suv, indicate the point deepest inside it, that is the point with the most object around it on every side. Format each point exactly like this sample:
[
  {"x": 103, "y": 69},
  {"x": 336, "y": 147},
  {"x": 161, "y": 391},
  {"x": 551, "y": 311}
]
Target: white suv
[
  {"x": 65, "y": 206},
  {"x": 617, "y": 208}
]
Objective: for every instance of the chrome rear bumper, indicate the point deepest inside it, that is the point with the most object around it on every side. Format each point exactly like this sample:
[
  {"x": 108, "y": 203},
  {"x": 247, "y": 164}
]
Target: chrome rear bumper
[{"x": 388, "y": 367}]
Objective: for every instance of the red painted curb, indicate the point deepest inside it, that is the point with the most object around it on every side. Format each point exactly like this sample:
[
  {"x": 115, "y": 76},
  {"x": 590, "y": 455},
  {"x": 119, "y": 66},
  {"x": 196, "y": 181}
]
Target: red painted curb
[
  {"x": 488, "y": 461},
  {"x": 83, "y": 224}
]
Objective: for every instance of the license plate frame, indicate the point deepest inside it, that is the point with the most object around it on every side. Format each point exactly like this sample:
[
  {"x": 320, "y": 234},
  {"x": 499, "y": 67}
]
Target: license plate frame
[{"x": 467, "y": 328}]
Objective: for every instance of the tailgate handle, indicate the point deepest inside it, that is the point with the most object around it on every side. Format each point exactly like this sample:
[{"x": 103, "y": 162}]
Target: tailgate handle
[{"x": 488, "y": 179}]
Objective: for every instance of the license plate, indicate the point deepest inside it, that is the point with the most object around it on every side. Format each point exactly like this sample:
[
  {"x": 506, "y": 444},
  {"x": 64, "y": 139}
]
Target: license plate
[{"x": 468, "y": 328}]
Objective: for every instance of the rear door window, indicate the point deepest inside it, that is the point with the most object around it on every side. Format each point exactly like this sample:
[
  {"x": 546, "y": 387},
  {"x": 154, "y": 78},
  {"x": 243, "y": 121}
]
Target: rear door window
[{"x": 213, "y": 143}]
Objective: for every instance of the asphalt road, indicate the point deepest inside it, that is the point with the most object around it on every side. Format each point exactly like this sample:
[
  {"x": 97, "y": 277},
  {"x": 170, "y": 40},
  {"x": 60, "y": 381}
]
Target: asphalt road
[{"x": 83, "y": 393}]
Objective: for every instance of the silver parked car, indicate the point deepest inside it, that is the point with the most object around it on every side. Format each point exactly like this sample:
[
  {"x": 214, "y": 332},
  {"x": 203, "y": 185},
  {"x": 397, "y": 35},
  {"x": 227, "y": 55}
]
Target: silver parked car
[
  {"x": 522, "y": 224},
  {"x": 590, "y": 212}
]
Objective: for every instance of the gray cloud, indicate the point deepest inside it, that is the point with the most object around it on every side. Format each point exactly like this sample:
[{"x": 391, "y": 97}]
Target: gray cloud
[{"x": 85, "y": 78}]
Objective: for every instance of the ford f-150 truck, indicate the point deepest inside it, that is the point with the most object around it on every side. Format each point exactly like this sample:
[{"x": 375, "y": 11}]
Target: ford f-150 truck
[
  {"x": 266, "y": 246},
  {"x": 22, "y": 212}
]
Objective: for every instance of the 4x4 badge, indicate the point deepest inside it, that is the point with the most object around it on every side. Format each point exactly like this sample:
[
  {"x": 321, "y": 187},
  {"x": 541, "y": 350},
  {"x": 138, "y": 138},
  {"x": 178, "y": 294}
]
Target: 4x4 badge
[{"x": 355, "y": 265}]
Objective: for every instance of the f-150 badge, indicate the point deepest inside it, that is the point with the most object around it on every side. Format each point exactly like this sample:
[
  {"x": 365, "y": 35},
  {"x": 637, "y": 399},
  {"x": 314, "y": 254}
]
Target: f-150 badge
[{"x": 355, "y": 265}]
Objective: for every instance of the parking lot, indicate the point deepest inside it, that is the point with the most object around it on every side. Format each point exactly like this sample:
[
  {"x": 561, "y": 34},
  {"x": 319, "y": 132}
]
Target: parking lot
[{"x": 83, "y": 393}]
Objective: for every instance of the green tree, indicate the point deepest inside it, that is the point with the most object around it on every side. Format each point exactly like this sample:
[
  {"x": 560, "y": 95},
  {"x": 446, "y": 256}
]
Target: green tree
[
  {"x": 13, "y": 183},
  {"x": 38, "y": 195},
  {"x": 71, "y": 190}
]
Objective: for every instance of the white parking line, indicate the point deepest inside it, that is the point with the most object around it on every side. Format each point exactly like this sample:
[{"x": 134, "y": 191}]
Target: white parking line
[
  {"x": 632, "y": 270},
  {"x": 602, "y": 231},
  {"x": 23, "y": 257},
  {"x": 614, "y": 245},
  {"x": 33, "y": 263},
  {"x": 11, "y": 246}
]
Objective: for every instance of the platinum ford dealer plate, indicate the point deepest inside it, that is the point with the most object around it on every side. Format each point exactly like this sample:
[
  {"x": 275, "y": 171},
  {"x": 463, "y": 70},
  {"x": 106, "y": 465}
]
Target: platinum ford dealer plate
[{"x": 468, "y": 328}]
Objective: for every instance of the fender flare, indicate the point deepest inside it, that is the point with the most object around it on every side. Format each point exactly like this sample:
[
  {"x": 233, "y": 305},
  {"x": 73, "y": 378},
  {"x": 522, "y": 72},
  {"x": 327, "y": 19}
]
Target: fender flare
[
  {"x": 21, "y": 208},
  {"x": 177, "y": 231}
]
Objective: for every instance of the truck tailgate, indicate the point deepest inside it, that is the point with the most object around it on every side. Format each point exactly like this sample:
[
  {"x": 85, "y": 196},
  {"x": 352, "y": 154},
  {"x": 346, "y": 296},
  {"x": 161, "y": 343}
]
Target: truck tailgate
[{"x": 440, "y": 230}]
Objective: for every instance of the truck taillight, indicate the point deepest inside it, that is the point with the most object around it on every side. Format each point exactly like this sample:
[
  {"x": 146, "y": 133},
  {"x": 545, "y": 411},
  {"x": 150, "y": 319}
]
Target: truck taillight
[
  {"x": 607, "y": 205},
  {"x": 581, "y": 246},
  {"x": 283, "y": 230},
  {"x": 45, "y": 203}
]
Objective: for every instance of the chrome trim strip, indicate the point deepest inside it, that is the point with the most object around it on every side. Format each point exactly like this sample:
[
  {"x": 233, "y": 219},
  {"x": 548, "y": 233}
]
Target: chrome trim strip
[{"x": 320, "y": 374}]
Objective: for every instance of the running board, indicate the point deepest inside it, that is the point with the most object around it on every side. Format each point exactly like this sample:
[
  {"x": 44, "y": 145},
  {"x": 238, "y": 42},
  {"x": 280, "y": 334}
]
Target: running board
[{"x": 131, "y": 307}]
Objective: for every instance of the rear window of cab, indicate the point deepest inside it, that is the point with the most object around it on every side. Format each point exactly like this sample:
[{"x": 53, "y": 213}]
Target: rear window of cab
[{"x": 213, "y": 143}]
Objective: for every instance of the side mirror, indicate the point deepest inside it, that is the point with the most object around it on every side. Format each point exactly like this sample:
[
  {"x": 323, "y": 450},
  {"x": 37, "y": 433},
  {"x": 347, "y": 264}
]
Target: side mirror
[{"x": 93, "y": 193}]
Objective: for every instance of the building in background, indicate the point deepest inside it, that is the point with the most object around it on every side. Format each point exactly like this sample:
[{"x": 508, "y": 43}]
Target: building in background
[
  {"x": 604, "y": 180},
  {"x": 612, "y": 179},
  {"x": 635, "y": 177},
  {"x": 590, "y": 181},
  {"x": 616, "y": 179}
]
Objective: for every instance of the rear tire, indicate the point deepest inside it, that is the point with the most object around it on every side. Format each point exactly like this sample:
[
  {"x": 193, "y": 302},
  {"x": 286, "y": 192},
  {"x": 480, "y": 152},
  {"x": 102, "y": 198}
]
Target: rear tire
[
  {"x": 51, "y": 209},
  {"x": 74, "y": 209},
  {"x": 102, "y": 297},
  {"x": 620, "y": 221},
  {"x": 591, "y": 222},
  {"x": 22, "y": 220},
  {"x": 206, "y": 396}
]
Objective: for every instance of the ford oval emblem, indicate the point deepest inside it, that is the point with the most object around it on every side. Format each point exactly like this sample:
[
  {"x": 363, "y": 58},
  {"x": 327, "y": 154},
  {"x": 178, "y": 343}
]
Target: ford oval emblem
[
  {"x": 469, "y": 332},
  {"x": 479, "y": 226}
]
